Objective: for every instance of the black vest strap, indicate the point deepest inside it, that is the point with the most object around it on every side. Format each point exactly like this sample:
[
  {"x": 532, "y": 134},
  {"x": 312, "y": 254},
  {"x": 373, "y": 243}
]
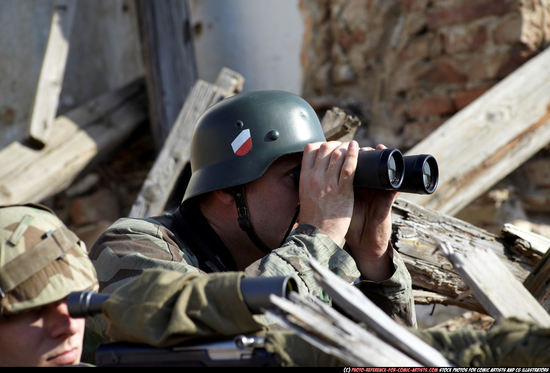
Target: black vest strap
[
  {"x": 244, "y": 218},
  {"x": 194, "y": 233}
]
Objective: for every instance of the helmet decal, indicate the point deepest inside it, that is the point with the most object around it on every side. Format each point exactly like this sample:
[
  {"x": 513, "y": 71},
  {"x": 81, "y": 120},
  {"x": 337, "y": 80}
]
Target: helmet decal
[{"x": 242, "y": 143}]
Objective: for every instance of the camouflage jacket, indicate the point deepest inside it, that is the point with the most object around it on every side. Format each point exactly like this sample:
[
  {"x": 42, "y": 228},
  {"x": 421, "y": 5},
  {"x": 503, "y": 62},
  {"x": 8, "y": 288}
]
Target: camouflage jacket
[{"x": 185, "y": 242}]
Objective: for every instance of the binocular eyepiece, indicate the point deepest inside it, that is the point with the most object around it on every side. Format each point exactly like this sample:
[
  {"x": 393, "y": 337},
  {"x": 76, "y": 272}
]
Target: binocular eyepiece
[{"x": 388, "y": 169}]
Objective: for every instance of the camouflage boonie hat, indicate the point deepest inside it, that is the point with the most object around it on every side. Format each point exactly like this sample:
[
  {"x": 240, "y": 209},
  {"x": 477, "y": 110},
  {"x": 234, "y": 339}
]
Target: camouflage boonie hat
[{"x": 41, "y": 260}]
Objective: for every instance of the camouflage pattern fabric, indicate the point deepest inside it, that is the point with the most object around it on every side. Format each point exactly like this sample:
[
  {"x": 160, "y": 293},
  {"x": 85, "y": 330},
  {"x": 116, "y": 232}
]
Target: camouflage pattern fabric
[
  {"x": 131, "y": 245},
  {"x": 165, "y": 308},
  {"x": 41, "y": 260},
  {"x": 508, "y": 343}
]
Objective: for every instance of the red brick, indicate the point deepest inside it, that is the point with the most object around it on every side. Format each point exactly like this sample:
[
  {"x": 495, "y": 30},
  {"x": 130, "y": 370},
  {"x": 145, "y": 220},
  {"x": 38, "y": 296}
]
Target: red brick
[
  {"x": 468, "y": 11},
  {"x": 463, "y": 98},
  {"x": 430, "y": 106},
  {"x": 443, "y": 73},
  {"x": 349, "y": 39}
]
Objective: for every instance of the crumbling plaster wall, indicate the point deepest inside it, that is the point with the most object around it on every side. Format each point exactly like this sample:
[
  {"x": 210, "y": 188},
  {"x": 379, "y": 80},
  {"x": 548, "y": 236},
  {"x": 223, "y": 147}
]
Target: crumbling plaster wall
[{"x": 406, "y": 66}]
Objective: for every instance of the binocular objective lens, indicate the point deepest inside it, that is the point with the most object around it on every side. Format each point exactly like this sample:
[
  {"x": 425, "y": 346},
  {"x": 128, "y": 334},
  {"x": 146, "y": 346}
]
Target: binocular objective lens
[
  {"x": 427, "y": 176},
  {"x": 392, "y": 171}
]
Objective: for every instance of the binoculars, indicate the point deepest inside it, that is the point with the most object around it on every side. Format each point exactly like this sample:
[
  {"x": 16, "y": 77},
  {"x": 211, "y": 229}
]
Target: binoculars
[{"x": 388, "y": 169}]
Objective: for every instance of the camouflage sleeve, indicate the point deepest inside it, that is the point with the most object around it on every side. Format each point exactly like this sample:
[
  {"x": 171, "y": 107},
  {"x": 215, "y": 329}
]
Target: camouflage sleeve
[
  {"x": 393, "y": 295},
  {"x": 164, "y": 308},
  {"x": 129, "y": 246},
  {"x": 303, "y": 243},
  {"x": 510, "y": 342}
]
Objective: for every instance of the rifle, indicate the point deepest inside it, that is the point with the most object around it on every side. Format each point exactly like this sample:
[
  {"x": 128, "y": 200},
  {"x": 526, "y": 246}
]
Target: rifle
[{"x": 241, "y": 351}]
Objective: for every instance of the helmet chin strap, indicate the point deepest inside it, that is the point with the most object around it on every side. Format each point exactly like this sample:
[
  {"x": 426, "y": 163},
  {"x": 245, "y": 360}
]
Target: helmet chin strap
[{"x": 246, "y": 224}]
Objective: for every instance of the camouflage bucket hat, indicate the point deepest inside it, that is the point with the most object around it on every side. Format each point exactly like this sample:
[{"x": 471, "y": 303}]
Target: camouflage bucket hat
[{"x": 41, "y": 260}]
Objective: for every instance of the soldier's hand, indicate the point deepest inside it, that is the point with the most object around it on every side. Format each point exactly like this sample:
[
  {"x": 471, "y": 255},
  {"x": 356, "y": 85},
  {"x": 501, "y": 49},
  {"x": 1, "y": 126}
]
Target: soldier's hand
[
  {"x": 326, "y": 187},
  {"x": 370, "y": 231}
]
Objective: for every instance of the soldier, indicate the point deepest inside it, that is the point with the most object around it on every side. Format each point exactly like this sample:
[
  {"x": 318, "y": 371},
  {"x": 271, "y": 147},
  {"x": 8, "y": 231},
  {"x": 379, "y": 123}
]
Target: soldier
[
  {"x": 164, "y": 308},
  {"x": 244, "y": 209},
  {"x": 41, "y": 262}
]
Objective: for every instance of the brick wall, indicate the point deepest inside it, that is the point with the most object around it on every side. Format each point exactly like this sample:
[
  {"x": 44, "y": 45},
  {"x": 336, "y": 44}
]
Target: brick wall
[{"x": 406, "y": 66}]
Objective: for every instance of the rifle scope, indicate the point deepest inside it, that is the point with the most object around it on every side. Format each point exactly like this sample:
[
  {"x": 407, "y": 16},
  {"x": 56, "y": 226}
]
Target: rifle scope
[
  {"x": 255, "y": 290},
  {"x": 388, "y": 169}
]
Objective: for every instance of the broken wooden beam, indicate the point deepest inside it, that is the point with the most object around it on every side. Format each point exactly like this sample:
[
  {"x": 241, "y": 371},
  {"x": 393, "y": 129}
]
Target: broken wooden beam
[
  {"x": 334, "y": 334},
  {"x": 490, "y": 138},
  {"x": 500, "y": 292},
  {"x": 175, "y": 153},
  {"x": 169, "y": 58},
  {"x": 50, "y": 80},
  {"x": 538, "y": 281},
  {"x": 339, "y": 126},
  {"x": 77, "y": 139},
  {"x": 416, "y": 233}
]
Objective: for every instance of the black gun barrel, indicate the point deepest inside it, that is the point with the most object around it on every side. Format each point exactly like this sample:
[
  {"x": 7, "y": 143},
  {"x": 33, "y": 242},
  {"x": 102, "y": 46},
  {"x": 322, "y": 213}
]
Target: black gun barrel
[
  {"x": 255, "y": 290},
  {"x": 85, "y": 303}
]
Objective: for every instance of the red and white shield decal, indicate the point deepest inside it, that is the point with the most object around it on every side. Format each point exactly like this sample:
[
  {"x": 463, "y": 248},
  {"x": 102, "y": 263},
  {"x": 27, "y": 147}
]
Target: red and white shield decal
[{"x": 242, "y": 143}]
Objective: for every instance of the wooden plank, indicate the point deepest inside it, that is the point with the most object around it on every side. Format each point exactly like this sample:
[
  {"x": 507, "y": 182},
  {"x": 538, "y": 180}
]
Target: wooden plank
[
  {"x": 169, "y": 57},
  {"x": 416, "y": 233},
  {"x": 16, "y": 156},
  {"x": 363, "y": 310},
  {"x": 331, "y": 332},
  {"x": 500, "y": 293},
  {"x": 539, "y": 244},
  {"x": 54, "y": 168},
  {"x": 173, "y": 157},
  {"x": 231, "y": 82},
  {"x": 538, "y": 281},
  {"x": 50, "y": 80},
  {"x": 337, "y": 125},
  {"x": 489, "y": 138}
]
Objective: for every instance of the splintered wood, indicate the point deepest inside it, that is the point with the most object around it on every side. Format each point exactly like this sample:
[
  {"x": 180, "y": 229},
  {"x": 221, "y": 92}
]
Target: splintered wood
[
  {"x": 329, "y": 330},
  {"x": 339, "y": 126},
  {"x": 334, "y": 334},
  {"x": 500, "y": 293}
]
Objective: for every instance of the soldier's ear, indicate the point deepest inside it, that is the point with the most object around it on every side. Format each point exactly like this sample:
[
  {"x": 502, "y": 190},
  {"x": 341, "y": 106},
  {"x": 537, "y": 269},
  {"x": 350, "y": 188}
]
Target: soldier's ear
[{"x": 224, "y": 196}]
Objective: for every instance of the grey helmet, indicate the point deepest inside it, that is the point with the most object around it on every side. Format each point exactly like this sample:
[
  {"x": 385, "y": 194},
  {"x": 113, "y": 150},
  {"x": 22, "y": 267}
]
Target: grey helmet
[{"x": 237, "y": 139}]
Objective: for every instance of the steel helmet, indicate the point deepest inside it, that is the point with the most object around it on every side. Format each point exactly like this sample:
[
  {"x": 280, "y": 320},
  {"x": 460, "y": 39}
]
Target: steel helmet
[
  {"x": 237, "y": 139},
  {"x": 41, "y": 260}
]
